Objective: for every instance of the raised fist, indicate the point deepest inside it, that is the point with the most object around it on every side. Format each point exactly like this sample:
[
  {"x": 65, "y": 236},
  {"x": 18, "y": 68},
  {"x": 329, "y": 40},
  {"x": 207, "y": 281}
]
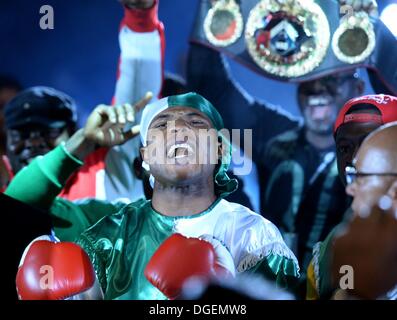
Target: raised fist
[{"x": 105, "y": 125}]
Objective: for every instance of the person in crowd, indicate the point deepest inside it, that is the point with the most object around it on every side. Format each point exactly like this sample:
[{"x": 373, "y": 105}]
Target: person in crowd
[
  {"x": 368, "y": 244},
  {"x": 358, "y": 118},
  {"x": 136, "y": 251},
  {"x": 296, "y": 160}
]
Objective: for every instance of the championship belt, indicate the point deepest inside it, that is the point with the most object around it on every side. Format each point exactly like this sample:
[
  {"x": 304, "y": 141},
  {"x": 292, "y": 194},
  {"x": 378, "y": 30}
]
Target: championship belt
[
  {"x": 299, "y": 40},
  {"x": 287, "y": 38}
]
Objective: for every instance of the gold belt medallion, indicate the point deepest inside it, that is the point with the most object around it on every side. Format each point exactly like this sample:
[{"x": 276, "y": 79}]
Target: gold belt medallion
[
  {"x": 354, "y": 39},
  {"x": 287, "y": 38},
  {"x": 223, "y": 24}
]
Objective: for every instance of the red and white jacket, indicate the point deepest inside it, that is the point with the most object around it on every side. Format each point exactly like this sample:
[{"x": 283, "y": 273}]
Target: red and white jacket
[{"x": 108, "y": 172}]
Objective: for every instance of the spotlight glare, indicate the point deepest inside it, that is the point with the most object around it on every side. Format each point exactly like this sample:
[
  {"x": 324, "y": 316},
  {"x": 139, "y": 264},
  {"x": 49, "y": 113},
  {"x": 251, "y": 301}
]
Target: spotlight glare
[{"x": 388, "y": 17}]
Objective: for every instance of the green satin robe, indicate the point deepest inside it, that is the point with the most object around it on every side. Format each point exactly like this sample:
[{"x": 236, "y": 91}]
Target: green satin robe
[{"x": 121, "y": 245}]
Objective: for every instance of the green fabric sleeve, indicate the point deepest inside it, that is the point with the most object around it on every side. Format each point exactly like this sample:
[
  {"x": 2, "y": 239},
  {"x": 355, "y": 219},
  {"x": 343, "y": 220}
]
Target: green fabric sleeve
[
  {"x": 41, "y": 181},
  {"x": 99, "y": 242},
  {"x": 97, "y": 259},
  {"x": 279, "y": 269},
  {"x": 116, "y": 244},
  {"x": 324, "y": 266},
  {"x": 70, "y": 219}
]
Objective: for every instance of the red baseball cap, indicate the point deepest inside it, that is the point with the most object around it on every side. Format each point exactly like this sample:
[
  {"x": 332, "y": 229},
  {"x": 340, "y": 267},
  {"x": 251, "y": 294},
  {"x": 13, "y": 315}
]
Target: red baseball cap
[{"x": 386, "y": 104}]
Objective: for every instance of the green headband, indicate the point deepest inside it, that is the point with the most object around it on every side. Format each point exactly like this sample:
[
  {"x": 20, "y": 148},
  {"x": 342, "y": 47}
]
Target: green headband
[{"x": 223, "y": 184}]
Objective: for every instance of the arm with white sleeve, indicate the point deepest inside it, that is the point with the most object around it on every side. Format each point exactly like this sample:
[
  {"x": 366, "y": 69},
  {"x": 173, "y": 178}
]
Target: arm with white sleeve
[
  {"x": 140, "y": 70},
  {"x": 108, "y": 174}
]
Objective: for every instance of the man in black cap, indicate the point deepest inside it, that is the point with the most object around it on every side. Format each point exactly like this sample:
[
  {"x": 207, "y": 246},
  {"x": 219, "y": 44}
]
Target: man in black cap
[{"x": 37, "y": 120}]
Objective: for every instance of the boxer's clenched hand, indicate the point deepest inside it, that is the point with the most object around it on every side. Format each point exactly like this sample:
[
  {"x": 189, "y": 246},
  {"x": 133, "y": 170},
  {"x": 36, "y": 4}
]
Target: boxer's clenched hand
[
  {"x": 224, "y": 260},
  {"x": 106, "y": 127},
  {"x": 51, "y": 270},
  {"x": 179, "y": 258}
]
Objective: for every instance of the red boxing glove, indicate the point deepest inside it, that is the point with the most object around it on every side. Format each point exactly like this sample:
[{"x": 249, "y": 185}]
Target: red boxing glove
[
  {"x": 179, "y": 258},
  {"x": 53, "y": 271}
]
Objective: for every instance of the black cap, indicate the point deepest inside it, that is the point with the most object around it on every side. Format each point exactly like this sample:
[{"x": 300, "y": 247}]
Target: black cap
[{"x": 43, "y": 106}]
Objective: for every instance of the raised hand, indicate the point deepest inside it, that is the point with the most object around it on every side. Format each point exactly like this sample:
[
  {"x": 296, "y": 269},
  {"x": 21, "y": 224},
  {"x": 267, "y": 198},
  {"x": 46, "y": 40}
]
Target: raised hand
[{"x": 106, "y": 125}]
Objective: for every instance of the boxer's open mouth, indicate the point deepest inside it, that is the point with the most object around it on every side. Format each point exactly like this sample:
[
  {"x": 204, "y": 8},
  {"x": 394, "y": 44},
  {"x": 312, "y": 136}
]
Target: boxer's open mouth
[{"x": 179, "y": 150}]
